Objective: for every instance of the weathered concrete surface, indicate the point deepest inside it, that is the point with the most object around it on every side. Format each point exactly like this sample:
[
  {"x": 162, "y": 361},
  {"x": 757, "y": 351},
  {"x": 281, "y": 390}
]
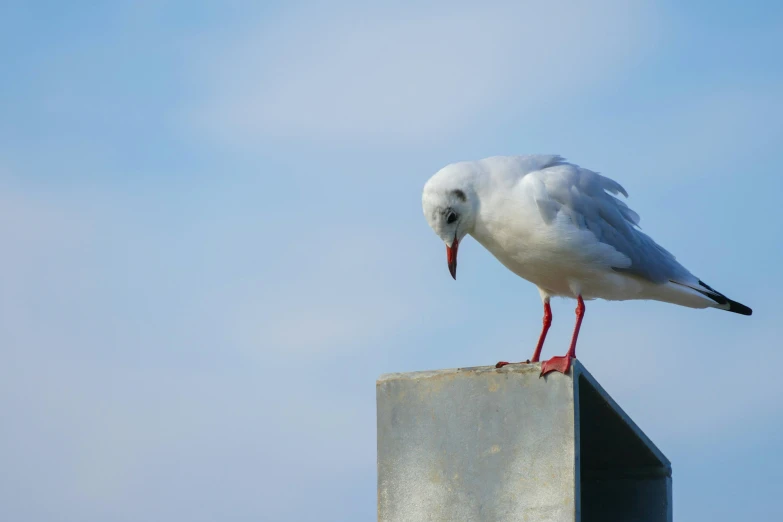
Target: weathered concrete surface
[
  {"x": 476, "y": 444},
  {"x": 482, "y": 444}
]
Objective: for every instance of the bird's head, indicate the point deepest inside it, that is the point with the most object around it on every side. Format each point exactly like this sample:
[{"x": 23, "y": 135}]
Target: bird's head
[{"x": 450, "y": 207}]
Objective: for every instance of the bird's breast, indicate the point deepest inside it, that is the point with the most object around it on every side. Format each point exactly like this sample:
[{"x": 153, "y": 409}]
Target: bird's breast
[
  {"x": 543, "y": 254},
  {"x": 524, "y": 254}
]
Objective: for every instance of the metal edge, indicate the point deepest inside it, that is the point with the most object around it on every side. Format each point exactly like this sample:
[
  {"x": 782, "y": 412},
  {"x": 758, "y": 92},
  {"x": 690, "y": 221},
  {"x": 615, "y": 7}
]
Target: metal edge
[{"x": 579, "y": 369}]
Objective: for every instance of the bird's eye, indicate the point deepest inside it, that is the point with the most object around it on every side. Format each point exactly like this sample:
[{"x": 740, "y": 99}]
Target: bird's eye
[{"x": 451, "y": 218}]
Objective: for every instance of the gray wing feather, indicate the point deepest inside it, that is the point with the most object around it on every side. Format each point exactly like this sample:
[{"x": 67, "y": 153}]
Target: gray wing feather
[{"x": 587, "y": 198}]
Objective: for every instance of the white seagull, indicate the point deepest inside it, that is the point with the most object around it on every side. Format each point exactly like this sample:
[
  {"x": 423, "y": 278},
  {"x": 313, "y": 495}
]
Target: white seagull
[{"x": 560, "y": 227}]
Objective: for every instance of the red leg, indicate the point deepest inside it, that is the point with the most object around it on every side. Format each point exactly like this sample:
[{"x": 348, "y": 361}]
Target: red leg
[
  {"x": 544, "y": 330},
  {"x": 541, "y": 338},
  {"x": 563, "y": 363}
]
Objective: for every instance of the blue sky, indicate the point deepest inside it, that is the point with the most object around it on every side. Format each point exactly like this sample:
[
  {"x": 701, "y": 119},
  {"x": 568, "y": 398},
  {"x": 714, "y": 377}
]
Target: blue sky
[{"x": 213, "y": 240}]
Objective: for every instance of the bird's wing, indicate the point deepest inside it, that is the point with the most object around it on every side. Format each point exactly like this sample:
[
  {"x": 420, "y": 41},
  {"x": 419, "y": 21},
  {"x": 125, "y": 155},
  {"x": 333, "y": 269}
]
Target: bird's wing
[{"x": 588, "y": 200}]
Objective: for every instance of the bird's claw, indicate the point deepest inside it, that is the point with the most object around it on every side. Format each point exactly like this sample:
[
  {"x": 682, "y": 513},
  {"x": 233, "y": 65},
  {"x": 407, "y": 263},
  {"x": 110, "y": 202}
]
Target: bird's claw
[
  {"x": 504, "y": 363},
  {"x": 559, "y": 363}
]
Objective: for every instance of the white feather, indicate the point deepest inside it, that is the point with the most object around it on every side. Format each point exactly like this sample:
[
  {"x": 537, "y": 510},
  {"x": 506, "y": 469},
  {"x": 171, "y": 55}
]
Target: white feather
[{"x": 560, "y": 227}]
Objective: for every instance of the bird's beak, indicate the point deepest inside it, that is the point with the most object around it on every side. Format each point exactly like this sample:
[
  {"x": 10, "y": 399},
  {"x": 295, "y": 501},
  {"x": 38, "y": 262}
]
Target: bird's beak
[{"x": 451, "y": 257}]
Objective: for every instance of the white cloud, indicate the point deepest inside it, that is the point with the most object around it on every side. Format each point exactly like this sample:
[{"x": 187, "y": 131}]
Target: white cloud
[
  {"x": 100, "y": 424},
  {"x": 700, "y": 136},
  {"x": 30, "y": 222},
  {"x": 412, "y": 74},
  {"x": 42, "y": 272},
  {"x": 334, "y": 295}
]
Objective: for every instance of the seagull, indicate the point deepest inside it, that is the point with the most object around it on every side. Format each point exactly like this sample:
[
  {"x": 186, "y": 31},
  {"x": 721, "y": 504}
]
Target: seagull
[{"x": 559, "y": 226}]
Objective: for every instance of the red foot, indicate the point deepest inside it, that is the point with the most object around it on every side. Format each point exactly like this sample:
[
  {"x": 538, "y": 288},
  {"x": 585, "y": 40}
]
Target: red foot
[
  {"x": 503, "y": 363},
  {"x": 556, "y": 364}
]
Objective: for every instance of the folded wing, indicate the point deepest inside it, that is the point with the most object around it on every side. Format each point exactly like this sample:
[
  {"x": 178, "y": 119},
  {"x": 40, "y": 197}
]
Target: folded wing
[{"x": 588, "y": 200}]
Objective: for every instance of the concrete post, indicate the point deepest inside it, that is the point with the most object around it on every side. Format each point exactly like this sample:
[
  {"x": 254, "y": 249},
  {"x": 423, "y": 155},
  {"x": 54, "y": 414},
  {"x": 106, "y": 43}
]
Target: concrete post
[{"x": 488, "y": 445}]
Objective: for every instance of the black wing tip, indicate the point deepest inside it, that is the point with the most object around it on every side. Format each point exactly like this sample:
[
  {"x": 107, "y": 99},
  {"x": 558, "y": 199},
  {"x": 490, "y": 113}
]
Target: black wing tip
[
  {"x": 739, "y": 308},
  {"x": 734, "y": 306}
]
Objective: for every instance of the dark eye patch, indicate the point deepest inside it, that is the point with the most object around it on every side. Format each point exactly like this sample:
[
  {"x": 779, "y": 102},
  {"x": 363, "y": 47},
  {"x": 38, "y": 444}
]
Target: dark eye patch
[
  {"x": 460, "y": 195},
  {"x": 451, "y": 217}
]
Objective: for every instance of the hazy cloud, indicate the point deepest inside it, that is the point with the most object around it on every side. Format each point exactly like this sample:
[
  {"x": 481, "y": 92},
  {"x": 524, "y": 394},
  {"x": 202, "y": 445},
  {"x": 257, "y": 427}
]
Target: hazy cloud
[{"x": 412, "y": 74}]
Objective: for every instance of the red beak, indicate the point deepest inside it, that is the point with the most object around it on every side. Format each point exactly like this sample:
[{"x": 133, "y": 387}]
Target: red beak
[{"x": 451, "y": 257}]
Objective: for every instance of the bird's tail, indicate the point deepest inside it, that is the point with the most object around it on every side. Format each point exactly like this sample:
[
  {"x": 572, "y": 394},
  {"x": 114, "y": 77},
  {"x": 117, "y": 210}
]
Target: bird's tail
[{"x": 718, "y": 300}]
